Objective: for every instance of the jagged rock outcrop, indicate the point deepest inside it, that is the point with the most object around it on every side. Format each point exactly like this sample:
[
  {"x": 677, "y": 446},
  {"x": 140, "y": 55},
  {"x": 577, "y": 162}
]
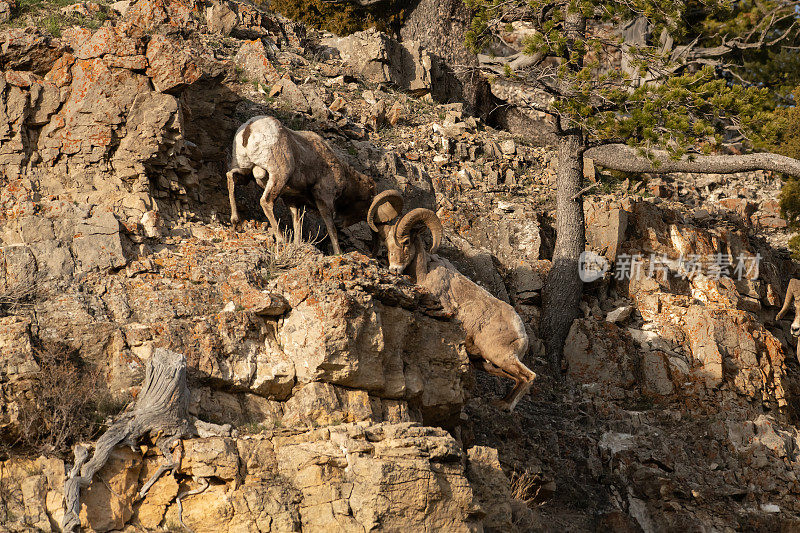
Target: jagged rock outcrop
[{"x": 381, "y": 59}]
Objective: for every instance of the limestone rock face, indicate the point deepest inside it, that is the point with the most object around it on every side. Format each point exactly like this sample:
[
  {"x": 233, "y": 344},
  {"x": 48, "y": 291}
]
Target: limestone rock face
[
  {"x": 387, "y": 476},
  {"x": 491, "y": 488},
  {"x": 17, "y": 370},
  {"x": 107, "y": 503},
  {"x": 381, "y": 59},
  {"x": 343, "y": 478},
  {"x": 699, "y": 326}
]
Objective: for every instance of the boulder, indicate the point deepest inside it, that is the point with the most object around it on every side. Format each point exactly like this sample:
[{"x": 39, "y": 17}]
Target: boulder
[
  {"x": 221, "y": 18},
  {"x": 30, "y": 49},
  {"x": 620, "y": 314},
  {"x": 170, "y": 66},
  {"x": 605, "y": 231},
  {"x": 5, "y": 12},
  {"x": 602, "y": 357}
]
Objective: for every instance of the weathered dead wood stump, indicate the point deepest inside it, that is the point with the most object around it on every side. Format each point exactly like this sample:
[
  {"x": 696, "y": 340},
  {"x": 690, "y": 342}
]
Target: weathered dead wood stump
[{"x": 160, "y": 413}]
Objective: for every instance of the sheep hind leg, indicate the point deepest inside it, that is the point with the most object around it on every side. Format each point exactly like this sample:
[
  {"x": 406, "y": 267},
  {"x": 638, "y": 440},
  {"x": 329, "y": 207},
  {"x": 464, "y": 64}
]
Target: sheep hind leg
[
  {"x": 297, "y": 224},
  {"x": 491, "y": 368},
  {"x": 523, "y": 379},
  {"x": 327, "y": 216}
]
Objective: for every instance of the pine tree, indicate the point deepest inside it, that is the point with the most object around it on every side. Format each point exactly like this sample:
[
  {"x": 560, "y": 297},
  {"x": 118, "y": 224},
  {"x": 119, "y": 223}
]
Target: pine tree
[{"x": 686, "y": 82}]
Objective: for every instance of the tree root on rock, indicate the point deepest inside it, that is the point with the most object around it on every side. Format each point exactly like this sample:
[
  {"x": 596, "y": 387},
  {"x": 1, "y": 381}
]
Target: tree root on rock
[
  {"x": 160, "y": 413},
  {"x": 203, "y": 486}
]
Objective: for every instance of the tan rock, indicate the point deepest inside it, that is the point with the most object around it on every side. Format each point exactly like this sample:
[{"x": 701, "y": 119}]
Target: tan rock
[
  {"x": 605, "y": 231},
  {"x": 97, "y": 244},
  {"x": 395, "y": 113},
  {"x": 381, "y": 59},
  {"x": 220, "y": 18},
  {"x": 339, "y": 105},
  {"x": 5, "y": 12},
  {"x": 400, "y": 477},
  {"x": 491, "y": 487},
  {"x": 147, "y": 15},
  {"x": 18, "y": 369},
  {"x": 215, "y": 456},
  {"x": 601, "y": 355},
  {"x": 162, "y": 493},
  {"x": 107, "y": 503}
]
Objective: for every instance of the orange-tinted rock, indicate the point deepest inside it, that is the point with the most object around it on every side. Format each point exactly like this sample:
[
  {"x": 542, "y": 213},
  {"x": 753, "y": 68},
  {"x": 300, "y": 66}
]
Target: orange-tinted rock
[
  {"x": 252, "y": 58},
  {"x": 170, "y": 67},
  {"x": 61, "y": 73},
  {"x": 149, "y": 14}
]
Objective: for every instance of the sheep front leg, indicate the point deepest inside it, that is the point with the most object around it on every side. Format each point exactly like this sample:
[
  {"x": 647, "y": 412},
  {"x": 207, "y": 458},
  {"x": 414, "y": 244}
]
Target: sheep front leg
[
  {"x": 297, "y": 224},
  {"x": 272, "y": 189},
  {"x": 231, "y": 175},
  {"x": 523, "y": 378},
  {"x": 326, "y": 212}
]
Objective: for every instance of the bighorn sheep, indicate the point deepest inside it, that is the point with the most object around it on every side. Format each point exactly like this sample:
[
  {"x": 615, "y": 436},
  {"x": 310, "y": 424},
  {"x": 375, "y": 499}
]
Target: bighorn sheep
[
  {"x": 495, "y": 334},
  {"x": 300, "y": 167},
  {"x": 792, "y": 293}
]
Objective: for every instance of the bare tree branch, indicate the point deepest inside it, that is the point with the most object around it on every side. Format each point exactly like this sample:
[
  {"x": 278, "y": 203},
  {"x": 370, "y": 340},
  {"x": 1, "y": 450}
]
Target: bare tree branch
[{"x": 623, "y": 157}]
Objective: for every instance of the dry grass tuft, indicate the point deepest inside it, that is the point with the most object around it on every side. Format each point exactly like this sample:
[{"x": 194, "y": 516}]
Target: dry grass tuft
[
  {"x": 287, "y": 255},
  {"x": 525, "y": 486},
  {"x": 17, "y": 296}
]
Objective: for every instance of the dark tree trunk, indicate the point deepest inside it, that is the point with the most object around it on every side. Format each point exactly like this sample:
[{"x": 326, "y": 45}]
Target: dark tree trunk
[{"x": 562, "y": 291}]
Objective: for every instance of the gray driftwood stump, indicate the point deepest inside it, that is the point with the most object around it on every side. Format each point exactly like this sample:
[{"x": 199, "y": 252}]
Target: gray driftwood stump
[{"x": 160, "y": 413}]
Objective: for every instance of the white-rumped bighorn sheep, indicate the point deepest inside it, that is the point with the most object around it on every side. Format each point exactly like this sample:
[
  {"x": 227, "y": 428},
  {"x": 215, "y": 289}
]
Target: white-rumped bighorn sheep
[
  {"x": 301, "y": 168},
  {"x": 495, "y": 334},
  {"x": 792, "y": 293}
]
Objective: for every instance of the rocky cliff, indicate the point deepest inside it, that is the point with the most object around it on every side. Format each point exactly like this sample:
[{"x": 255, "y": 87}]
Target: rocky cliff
[{"x": 350, "y": 391}]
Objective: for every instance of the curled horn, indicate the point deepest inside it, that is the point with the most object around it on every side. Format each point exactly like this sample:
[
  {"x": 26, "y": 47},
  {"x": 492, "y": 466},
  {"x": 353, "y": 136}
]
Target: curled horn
[
  {"x": 421, "y": 215},
  {"x": 385, "y": 207}
]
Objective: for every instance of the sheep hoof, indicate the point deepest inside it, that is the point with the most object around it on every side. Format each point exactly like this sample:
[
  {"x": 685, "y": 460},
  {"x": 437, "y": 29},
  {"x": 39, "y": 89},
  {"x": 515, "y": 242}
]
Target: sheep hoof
[{"x": 235, "y": 220}]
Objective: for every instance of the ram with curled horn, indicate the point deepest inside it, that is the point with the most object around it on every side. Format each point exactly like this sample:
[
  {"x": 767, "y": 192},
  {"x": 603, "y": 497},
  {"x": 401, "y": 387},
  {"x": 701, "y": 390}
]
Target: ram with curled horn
[
  {"x": 495, "y": 335},
  {"x": 792, "y": 294}
]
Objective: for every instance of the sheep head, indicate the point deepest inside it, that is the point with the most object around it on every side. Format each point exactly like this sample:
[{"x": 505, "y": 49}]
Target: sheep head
[{"x": 403, "y": 237}]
